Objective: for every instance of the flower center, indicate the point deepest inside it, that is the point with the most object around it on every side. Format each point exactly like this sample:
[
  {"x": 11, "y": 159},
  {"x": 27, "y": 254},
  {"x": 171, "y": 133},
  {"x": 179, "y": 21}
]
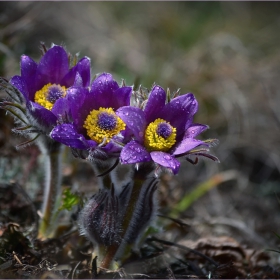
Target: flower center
[
  {"x": 160, "y": 136},
  {"x": 48, "y": 95},
  {"x": 103, "y": 123},
  {"x": 106, "y": 121},
  {"x": 164, "y": 130}
]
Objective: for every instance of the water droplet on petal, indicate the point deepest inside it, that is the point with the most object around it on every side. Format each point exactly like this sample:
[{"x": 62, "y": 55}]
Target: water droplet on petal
[{"x": 167, "y": 157}]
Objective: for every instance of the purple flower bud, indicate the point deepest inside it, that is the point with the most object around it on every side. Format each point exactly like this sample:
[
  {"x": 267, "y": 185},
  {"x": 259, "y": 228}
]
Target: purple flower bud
[
  {"x": 100, "y": 219},
  {"x": 103, "y": 220}
]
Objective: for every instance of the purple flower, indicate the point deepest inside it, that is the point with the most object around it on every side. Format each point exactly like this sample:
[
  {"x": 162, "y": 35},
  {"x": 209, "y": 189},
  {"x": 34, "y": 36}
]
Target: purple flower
[
  {"x": 162, "y": 132},
  {"x": 43, "y": 84},
  {"x": 94, "y": 121}
]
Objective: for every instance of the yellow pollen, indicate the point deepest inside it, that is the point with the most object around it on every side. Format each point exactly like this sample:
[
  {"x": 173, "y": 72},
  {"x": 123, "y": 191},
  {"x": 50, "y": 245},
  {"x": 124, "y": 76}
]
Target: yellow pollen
[
  {"x": 42, "y": 96},
  {"x": 155, "y": 142},
  {"x": 94, "y": 128}
]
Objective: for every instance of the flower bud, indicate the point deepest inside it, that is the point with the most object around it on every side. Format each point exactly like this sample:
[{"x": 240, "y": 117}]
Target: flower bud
[
  {"x": 100, "y": 220},
  {"x": 105, "y": 219}
]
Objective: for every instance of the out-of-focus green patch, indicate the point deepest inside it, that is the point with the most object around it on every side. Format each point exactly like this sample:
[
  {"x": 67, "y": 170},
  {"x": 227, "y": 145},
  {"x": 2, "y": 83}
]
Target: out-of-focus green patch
[
  {"x": 202, "y": 189},
  {"x": 69, "y": 200}
]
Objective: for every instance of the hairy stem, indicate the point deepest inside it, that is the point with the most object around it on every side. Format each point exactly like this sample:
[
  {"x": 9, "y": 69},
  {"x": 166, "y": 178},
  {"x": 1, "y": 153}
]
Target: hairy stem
[
  {"x": 101, "y": 170},
  {"x": 52, "y": 189},
  {"x": 138, "y": 181},
  {"x": 112, "y": 250}
]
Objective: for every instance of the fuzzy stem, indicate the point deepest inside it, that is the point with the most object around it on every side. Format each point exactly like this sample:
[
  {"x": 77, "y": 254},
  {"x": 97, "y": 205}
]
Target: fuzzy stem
[
  {"x": 139, "y": 178},
  {"x": 107, "y": 260},
  {"x": 112, "y": 250},
  {"x": 52, "y": 190},
  {"x": 104, "y": 181}
]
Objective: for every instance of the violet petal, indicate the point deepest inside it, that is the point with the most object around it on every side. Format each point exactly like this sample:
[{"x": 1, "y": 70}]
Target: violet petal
[
  {"x": 186, "y": 145},
  {"x": 121, "y": 98},
  {"x": 67, "y": 135},
  {"x": 42, "y": 115},
  {"x": 178, "y": 111},
  {"x": 83, "y": 68},
  {"x": 134, "y": 119},
  {"x": 194, "y": 130},
  {"x": 28, "y": 72},
  {"x": 19, "y": 83},
  {"x": 53, "y": 67},
  {"x": 61, "y": 108},
  {"x": 155, "y": 103},
  {"x": 166, "y": 160},
  {"x": 103, "y": 90},
  {"x": 112, "y": 147},
  {"x": 133, "y": 152},
  {"x": 79, "y": 105},
  {"x": 78, "y": 82}
]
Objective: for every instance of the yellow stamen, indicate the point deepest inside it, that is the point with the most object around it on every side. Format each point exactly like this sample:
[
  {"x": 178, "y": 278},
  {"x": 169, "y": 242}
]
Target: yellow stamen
[
  {"x": 155, "y": 142},
  {"x": 94, "y": 127},
  {"x": 42, "y": 96}
]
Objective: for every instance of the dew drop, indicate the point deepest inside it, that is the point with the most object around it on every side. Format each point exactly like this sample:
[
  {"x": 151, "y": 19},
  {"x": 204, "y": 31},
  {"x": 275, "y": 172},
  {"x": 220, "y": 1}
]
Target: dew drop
[{"x": 167, "y": 157}]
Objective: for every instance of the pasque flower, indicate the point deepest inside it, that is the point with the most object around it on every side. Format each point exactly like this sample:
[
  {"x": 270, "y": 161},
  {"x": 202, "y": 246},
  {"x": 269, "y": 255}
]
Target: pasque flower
[
  {"x": 162, "y": 131},
  {"x": 38, "y": 101},
  {"x": 92, "y": 111},
  {"x": 43, "y": 84}
]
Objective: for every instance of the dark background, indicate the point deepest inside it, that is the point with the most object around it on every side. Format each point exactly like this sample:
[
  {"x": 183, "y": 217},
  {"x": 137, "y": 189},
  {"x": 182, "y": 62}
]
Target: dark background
[{"x": 226, "y": 53}]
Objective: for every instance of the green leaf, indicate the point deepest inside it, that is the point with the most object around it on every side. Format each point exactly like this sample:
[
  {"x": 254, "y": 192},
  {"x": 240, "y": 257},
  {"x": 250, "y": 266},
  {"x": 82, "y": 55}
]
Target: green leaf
[{"x": 69, "y": 200}]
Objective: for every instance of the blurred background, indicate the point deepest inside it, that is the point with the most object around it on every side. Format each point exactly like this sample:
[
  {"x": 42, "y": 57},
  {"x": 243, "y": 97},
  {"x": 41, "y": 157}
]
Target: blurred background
[{"x": 226, "y": 53}]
